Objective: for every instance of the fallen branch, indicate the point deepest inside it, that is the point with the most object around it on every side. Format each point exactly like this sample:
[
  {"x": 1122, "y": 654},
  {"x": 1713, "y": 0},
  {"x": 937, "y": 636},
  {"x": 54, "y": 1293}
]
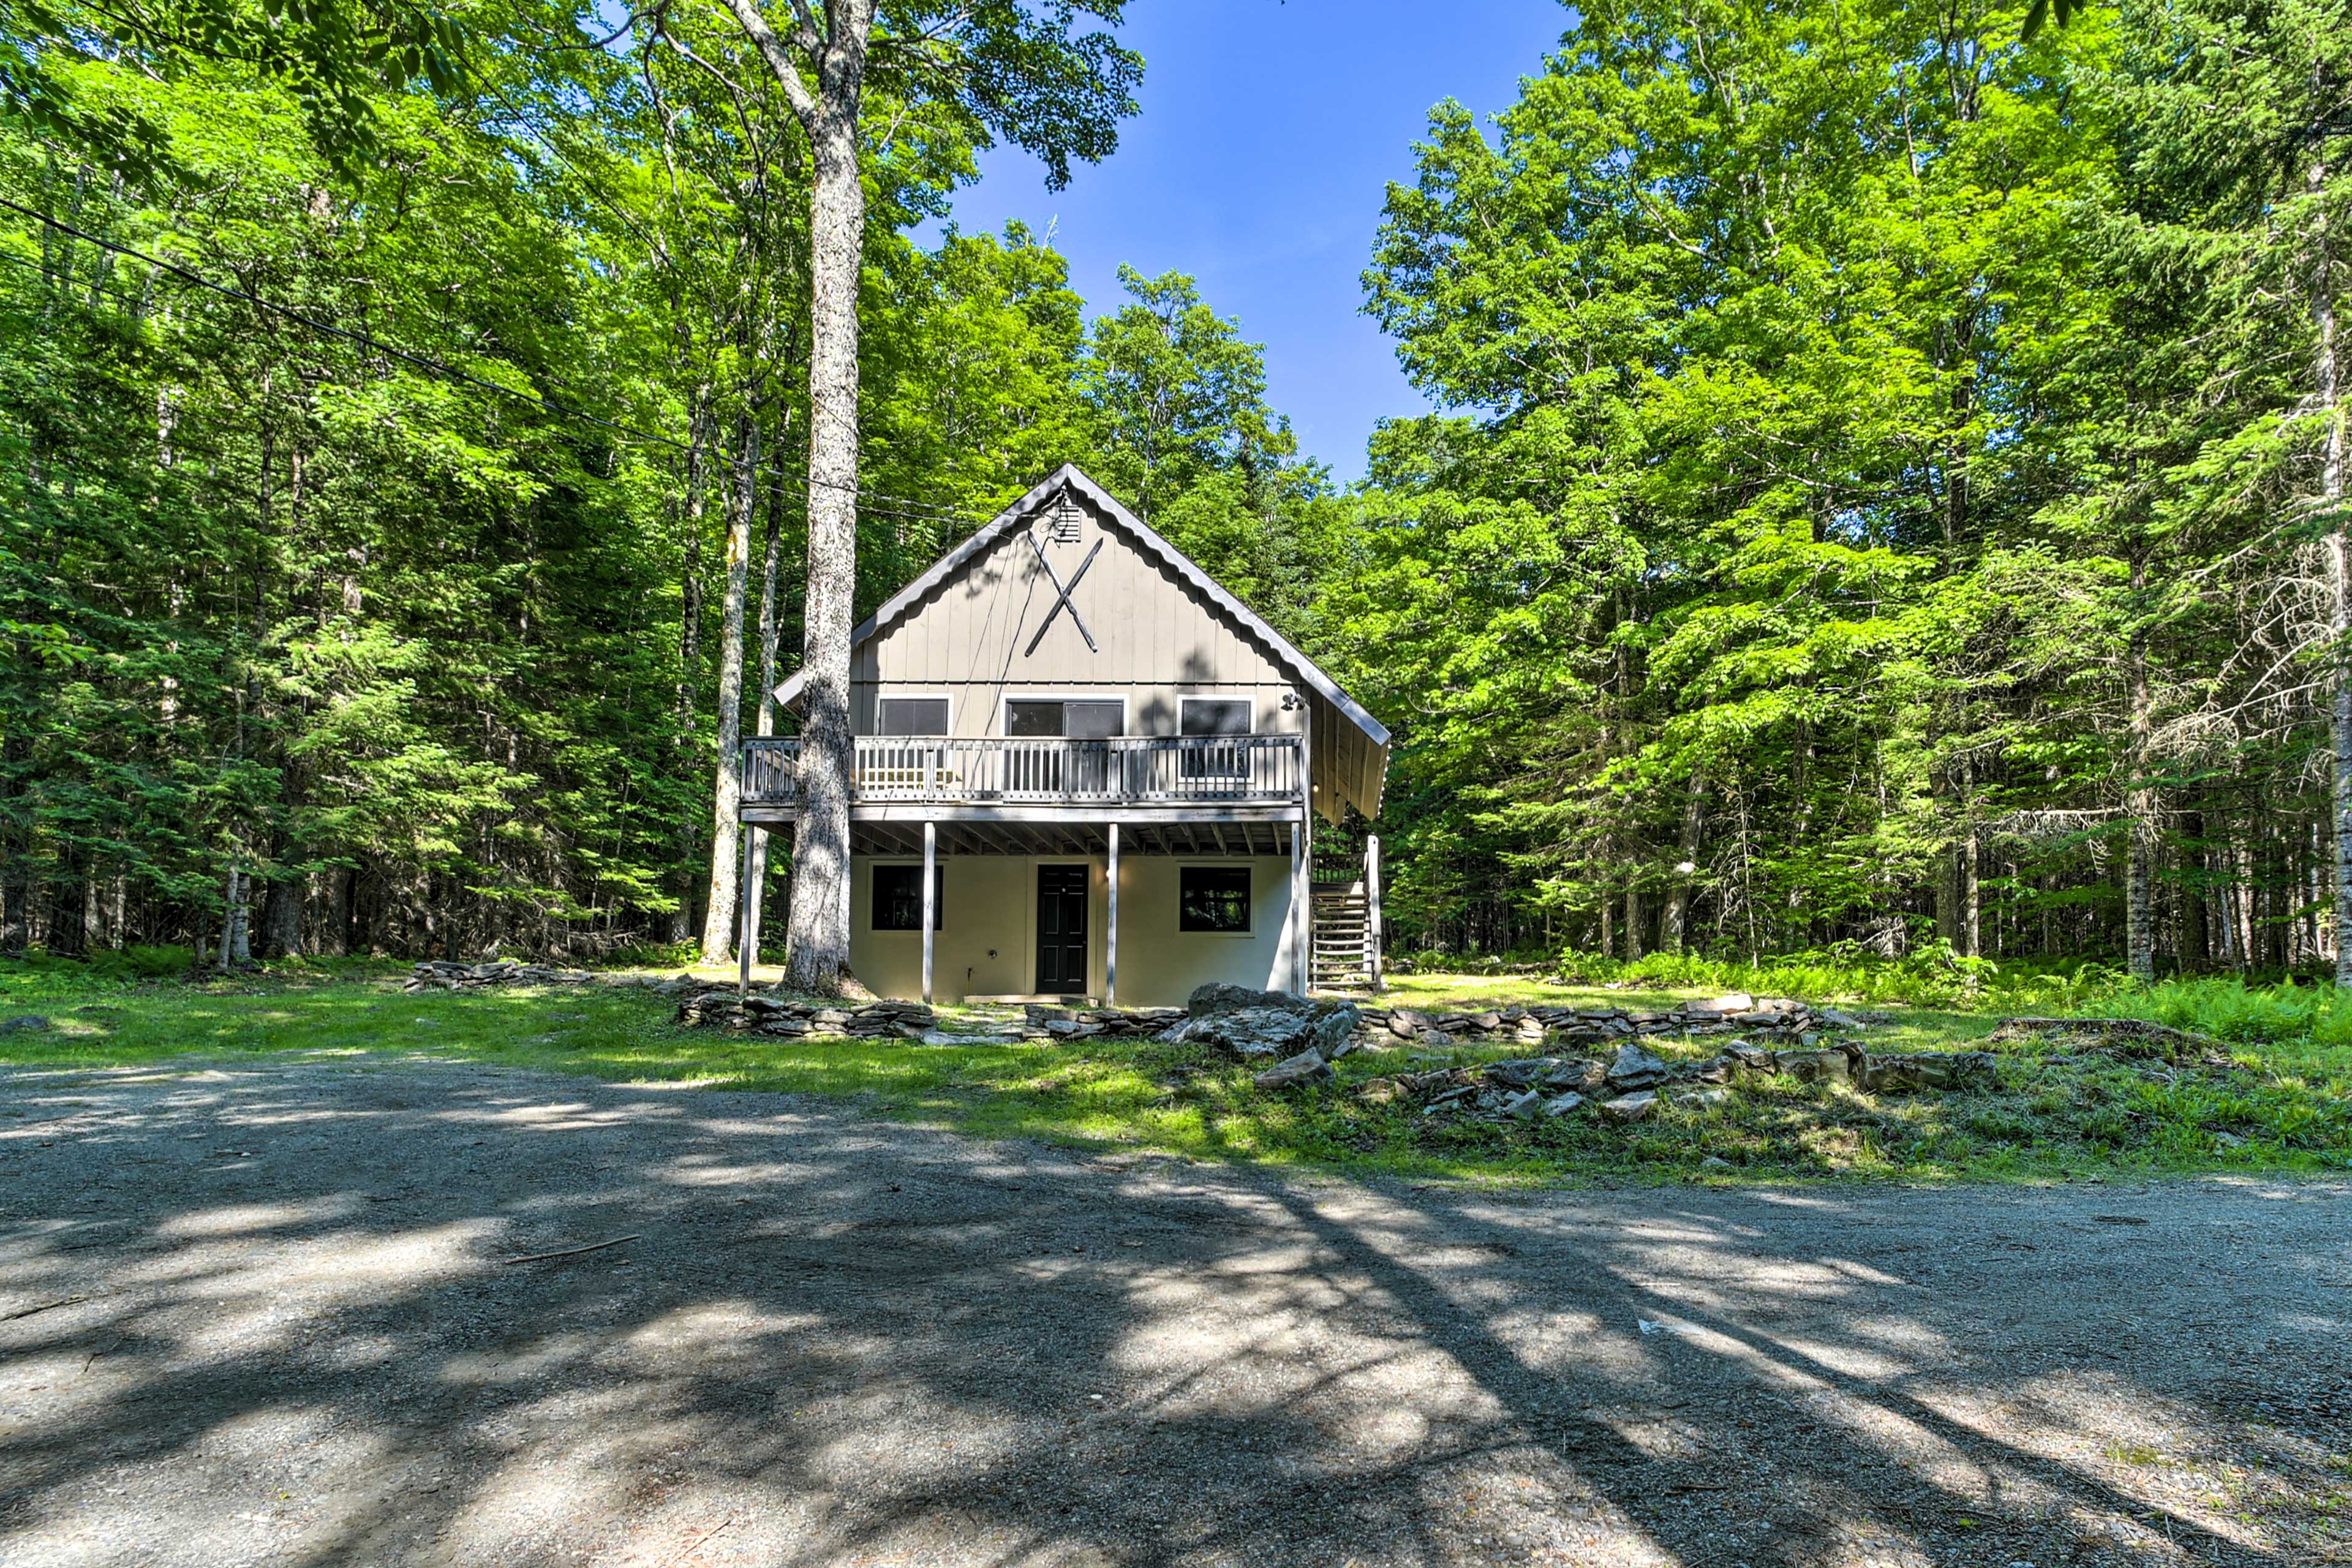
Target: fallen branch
[
  {"x": 46, "y": 1306},
  {"x": 573, "y": 1251},
  {"x": 698, "y": 1542}
]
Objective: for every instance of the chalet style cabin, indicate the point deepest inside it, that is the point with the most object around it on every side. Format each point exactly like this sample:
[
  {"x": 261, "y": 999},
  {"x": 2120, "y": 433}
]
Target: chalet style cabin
[{"x": 1104, "y": 763}]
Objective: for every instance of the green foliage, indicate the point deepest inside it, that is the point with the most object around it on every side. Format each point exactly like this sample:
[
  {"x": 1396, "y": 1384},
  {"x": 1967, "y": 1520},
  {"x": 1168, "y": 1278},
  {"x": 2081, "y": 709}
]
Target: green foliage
[
  {"x": 332, "y": 56},
  {"x": 406, "y": 642},
  {"x": 1872, "y": 514},
  {"x": 1180, "y": 425},
  {"x": 1933, "y": 976},
  {"x": 1875, "y": 442},
  {"x": 2230, "y": 1009},
  {"x": 143, "y": 962}
]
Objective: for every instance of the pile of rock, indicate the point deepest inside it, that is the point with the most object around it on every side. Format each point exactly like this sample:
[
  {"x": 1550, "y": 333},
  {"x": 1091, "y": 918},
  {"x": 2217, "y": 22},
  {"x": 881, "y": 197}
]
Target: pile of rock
[
  {"x": 1734, "y": 1014},
  {"x": 725, "y": 1008},
  {"x": 1302, "y": 1036},
  {"x": 1636, "y": 1082},
  {"x": 443, "y": 974},
  {"x": 1040, "y": 1021}
]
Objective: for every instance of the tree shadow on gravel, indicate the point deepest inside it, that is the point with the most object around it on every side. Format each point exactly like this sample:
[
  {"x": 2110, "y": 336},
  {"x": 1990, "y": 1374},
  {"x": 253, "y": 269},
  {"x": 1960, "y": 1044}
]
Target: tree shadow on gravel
[{"x": 266, "y": 1314}]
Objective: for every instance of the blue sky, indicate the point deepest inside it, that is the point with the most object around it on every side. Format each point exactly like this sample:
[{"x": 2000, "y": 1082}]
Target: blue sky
[{"x": 1268, "y": 134}]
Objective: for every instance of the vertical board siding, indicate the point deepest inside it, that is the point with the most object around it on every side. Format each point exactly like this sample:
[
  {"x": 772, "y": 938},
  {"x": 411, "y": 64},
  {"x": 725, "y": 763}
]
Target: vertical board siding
[{"x": 1157, "y": 641}]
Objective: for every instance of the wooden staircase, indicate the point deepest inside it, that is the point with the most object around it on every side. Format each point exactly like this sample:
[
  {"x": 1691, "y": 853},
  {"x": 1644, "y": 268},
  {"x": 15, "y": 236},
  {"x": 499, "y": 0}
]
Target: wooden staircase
[{"x": 1343, "y": 936}]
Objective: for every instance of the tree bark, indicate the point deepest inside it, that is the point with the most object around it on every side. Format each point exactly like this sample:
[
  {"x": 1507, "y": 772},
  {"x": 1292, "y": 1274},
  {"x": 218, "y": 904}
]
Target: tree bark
[
  {"x": 2196, "y": 941},
  {"x": 235, "y": 947},
  {"x": 1674, "y": 920},
  {"x": 16, "y": 854},
  {"x": 63, "y": 935},
  {"x": 1948, "y": 897},
  {"x": 2328, "y": 383},
  {"x": 2139, "y": 801},
  {"x": 689, "y": 639},
  {"x": 1972, "y": 886},
  {"x": 770, "y": 621},
  {"x": 818, "y": 925},
  {"x": 727, "y": 817},
  {"x": 281, "y": 918}
]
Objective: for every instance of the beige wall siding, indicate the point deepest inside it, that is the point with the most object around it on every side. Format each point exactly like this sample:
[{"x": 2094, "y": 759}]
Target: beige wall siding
[
  {"x": 1157, "y": 641},
  {"x": 986, "y": 944}
]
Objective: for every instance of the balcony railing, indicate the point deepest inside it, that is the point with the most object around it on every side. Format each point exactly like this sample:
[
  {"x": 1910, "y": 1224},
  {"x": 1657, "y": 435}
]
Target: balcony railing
[{"x": 1139, "y": 770}]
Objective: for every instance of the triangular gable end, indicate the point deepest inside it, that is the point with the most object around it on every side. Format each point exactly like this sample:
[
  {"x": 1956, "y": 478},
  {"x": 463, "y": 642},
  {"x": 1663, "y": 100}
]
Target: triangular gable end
[{"x": 1351, "y": 746}]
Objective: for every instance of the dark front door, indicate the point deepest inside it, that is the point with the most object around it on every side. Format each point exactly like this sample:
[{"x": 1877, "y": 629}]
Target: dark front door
[{"x": 1062, "y": 930}]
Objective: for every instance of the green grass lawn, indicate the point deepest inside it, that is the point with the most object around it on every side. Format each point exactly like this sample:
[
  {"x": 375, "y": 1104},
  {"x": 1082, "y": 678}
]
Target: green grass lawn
[{"x": 2277, "y": 1107}]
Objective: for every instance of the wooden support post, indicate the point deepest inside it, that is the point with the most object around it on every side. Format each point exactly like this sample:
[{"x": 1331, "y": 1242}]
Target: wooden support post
[
  {"x": 1302, "y": 849},
  {"x": 1110, "y": 928},
  {"x": 930, "y": 902},
  {"x": 746, "y": 914},
  {"x": 1302, "y": 915},
  {"x": 755, "y": 887},
  {"x": 1373, "y": 908}
]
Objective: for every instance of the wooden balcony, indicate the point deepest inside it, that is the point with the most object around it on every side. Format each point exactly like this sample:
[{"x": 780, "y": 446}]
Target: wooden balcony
[{"x": 1235, "y": 778}]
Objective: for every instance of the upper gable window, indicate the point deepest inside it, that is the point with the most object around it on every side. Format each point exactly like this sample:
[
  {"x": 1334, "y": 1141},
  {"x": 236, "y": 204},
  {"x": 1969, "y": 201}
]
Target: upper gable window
[{"x": 912, "y": 716}]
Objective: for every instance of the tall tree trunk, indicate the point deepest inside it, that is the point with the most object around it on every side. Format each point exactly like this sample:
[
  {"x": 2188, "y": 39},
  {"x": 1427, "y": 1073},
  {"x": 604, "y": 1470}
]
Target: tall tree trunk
[
  {"x": 334, "y": 917},
  {"x": 727, "y": 817},
  {"x": 2278, "y": 897},
  {"x": 15, "y": 852},
  {"x": 1674, "y": 920},
  {"x": 64, "y": 934},
  {"x": 2139, "y": 800},
  {"x": 770, "y": 621},
  {"x": 1972, "y": 886},
  {"x": 234, "y": 946},
  {"x": 281, "y": 916},
  {"x": 818, "y": 926},
  {"x": 690, "y": 640},
  {"x": 1948, "y": 897},
  {"x": 769, "y": 625},
  {"x": 2196, "y": 942},
  {"x": 2326, "y": 382}
]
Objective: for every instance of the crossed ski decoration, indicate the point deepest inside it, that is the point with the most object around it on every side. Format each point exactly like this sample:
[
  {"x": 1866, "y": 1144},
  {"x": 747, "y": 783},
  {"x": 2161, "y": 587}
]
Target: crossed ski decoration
[{"x": 1066, "y": 589}]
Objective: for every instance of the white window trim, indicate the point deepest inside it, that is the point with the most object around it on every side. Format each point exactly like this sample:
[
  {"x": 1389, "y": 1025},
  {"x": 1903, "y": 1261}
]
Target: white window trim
[
  {"x": 1248, "y": 933},
  {"x": 914, "y": 694},
  {"x": 1125, "y": 707}
]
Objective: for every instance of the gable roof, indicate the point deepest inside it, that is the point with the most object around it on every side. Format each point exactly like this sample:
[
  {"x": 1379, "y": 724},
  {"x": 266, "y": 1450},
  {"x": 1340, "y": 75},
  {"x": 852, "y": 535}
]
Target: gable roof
[{"x": 1360, "y": 783}]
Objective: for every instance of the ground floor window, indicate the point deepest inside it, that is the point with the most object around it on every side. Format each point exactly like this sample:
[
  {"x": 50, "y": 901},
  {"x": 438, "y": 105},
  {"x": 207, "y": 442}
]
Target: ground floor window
[
  {"x": 898, "y": 898},
  {"x": 1214, "y": 897}
]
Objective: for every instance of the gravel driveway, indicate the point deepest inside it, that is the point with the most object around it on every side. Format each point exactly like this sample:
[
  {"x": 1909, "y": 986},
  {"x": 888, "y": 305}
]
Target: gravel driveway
[{"x": 270, "y": 1313}]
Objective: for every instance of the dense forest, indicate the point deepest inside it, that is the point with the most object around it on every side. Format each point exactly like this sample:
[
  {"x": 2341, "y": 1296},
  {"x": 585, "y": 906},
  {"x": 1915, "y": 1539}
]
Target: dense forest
[{"x": 1889, "y": 491}]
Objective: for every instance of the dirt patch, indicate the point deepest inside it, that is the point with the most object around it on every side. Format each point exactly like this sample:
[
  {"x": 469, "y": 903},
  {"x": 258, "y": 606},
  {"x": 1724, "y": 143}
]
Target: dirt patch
[{"x": 265, "y": 1312}]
